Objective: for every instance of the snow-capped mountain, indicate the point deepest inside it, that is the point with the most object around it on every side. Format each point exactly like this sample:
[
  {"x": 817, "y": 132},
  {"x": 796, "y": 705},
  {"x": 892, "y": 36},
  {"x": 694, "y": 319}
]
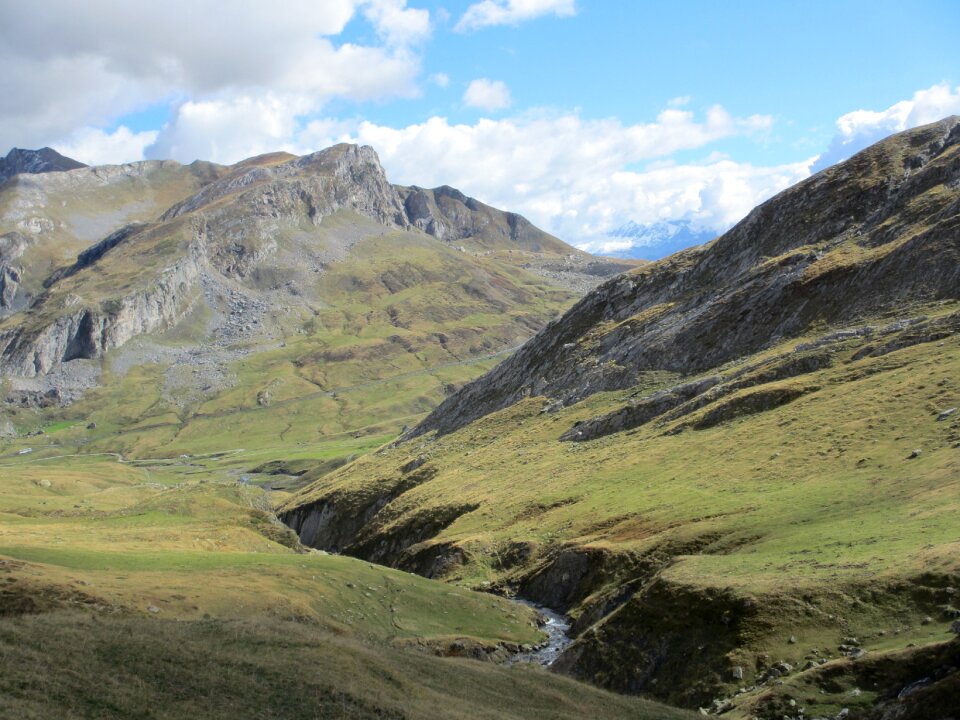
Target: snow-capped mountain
[{"x": 656, "y": 240}]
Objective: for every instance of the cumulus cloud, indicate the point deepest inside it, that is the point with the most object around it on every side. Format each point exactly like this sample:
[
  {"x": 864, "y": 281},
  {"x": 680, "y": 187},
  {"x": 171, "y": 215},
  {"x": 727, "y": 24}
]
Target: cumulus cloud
[
  {"x": 93, "y": 146},
  {"x": 396, "y": 23},
  {"x": 487, "y": 95},
  {"x": 69, "y": 65},
  {"x": 440, "y": 79},
  {"x": 511, "y": 12},
  {"x": 861, "y": 128},
  {"x": 576, "y": 177}
]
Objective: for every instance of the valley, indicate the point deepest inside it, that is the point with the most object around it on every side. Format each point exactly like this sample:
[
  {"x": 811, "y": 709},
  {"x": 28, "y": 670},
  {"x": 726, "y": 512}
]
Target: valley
[{"x": 304, "y": 435}]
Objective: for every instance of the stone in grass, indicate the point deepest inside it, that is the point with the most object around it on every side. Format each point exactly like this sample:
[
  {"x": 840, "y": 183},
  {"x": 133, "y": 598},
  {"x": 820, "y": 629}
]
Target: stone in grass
[
  {"x": 914, "y": 454},
  {"x": 946, "y": 413}
]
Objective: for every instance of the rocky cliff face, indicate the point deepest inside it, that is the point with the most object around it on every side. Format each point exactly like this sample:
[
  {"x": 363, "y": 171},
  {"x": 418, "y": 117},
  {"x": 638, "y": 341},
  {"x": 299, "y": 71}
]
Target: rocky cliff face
[
  {"x": 43, "y": 160},
  {"x": 48, "y": 219},
  {"x": 869, "y": 235},
  {"x": 85, "y": 331}
]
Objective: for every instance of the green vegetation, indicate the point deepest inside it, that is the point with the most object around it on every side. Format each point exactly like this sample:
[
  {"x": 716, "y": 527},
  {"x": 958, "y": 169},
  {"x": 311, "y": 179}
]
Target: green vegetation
[
  {"x": 136, "y": 537},
  {"x": 816, "y": 513},
  {"x": 74, "y": 666}
]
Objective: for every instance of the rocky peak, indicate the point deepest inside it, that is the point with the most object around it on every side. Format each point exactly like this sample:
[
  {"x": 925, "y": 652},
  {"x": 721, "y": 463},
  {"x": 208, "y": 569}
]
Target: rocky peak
[
  {"x": 343, "y": 176},
  {"x": 43, "y": 160}
]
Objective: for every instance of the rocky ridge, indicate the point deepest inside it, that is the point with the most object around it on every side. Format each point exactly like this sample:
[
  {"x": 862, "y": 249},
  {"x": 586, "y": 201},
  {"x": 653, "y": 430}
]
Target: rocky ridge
[
  {"x": 866, "y": 236},
  {"x": 239, "y": 217}
]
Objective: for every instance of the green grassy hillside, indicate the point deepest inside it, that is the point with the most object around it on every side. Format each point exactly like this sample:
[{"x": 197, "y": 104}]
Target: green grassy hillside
[
  {"x": 164, "y": 589},
  {"x": 798, "y": 524},
  {"x": 75, "y": 666}
]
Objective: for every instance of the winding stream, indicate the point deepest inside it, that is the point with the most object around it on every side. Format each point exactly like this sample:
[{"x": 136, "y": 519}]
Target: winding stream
[{"x": 557, "y": 628}]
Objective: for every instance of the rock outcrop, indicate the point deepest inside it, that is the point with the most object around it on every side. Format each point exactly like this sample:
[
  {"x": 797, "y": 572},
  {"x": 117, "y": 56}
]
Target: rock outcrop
[
  {"x": 88, "y": 332},
  {"x": 449, "y": 215}
]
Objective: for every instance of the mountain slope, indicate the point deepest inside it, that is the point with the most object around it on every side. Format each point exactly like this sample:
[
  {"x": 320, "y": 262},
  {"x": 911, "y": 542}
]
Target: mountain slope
[
  {"x": 193, "y": 309},
  {"x": 47, "y": 220},
  {"x": 733, "y": 467},
  {"x": 855, "y": 241},
  {"x": 146, "y": 277},
  {"x": 43, "y": 160}
]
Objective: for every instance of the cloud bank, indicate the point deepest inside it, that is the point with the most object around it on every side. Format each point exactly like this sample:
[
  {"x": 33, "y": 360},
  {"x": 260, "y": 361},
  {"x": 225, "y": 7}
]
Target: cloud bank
[{"x": 71, "y": 65}]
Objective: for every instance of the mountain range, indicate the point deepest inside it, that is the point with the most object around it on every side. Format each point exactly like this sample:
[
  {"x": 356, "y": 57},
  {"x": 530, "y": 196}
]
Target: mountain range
[{"x": 284, "y": 437}]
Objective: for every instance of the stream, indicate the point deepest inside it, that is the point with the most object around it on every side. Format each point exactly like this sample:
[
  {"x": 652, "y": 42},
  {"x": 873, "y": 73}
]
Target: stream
[{"x": 557, "y": 640}]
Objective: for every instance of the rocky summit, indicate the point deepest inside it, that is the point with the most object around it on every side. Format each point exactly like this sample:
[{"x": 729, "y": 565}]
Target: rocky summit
[
  {"x": 734, "y": 469},
  {"x": 43, "y": 160}
]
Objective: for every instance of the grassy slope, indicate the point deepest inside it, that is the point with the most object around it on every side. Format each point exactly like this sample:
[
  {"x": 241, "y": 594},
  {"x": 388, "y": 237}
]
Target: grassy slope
[
  {"x": 77, "y": 667},
  {"x": 813, "y": 508},
  {"x": 136, "y": 536},
  {"x": 359, "y": 359},
  {"x": 157, "y": 589}
]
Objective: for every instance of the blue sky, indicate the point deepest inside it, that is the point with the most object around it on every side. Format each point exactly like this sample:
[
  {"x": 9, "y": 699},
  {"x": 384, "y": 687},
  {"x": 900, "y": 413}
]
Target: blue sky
[{"x": 582, "y": 114}]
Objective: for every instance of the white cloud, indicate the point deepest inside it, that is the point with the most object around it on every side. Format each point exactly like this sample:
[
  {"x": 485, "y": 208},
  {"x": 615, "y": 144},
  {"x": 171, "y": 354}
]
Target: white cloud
[
  {"x": 861, "y": 128},
  {"x": 511, "y": 12},
  {"x": 679, "y": 101},
  {"x": 396, "y": 23},
  {"x": 570, "y": 176},
  {"x": 487, "y": 95},
  {"x": 440, "y": 79},
  {"x": 69, "y": 65},
  {"x": 96, "y": 147}
]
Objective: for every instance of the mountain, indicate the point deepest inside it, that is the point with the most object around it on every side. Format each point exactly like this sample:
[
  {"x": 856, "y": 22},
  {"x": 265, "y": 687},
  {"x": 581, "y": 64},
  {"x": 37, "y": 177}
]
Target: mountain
[
  {"x": 228, "y": 230},
  {"x": 858, "y": 240},
  {"x": 183, "y": 346},
  {"x": 735, "y": 468},
  {"x": 43, "y": 160},
  {"x": 658, "y": 240},
  {"x": 156, "y": 279}
]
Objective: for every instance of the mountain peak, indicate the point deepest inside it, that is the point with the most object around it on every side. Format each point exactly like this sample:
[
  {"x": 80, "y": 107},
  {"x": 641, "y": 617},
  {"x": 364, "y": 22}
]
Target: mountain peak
[{"x": 46, "y": 159}]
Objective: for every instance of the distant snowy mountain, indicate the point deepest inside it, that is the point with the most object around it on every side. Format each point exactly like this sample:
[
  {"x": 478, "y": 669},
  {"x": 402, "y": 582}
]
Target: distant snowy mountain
[{"x": 657, "y": 240}]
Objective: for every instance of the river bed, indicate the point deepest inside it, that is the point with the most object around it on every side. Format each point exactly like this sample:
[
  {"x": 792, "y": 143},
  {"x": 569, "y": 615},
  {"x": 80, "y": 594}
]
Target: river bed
[{"x": 557, "y": 628}]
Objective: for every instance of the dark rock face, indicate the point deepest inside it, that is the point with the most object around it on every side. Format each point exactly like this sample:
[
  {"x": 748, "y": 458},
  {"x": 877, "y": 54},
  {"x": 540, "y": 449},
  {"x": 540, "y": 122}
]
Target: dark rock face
[
  {"x": 35, "y": 161},
  {"x": 449, "y": 215},
  {"x": 875, "y": 233}
]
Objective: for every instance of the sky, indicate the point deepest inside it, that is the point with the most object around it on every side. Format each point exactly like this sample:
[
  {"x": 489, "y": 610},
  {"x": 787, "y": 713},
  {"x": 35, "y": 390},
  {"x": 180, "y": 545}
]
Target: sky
[{"x": 583, "y": 115}]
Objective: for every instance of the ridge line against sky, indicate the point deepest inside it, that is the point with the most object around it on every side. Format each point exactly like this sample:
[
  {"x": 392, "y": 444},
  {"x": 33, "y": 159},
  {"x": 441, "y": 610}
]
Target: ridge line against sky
[{"x": 600, "y": 121}]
